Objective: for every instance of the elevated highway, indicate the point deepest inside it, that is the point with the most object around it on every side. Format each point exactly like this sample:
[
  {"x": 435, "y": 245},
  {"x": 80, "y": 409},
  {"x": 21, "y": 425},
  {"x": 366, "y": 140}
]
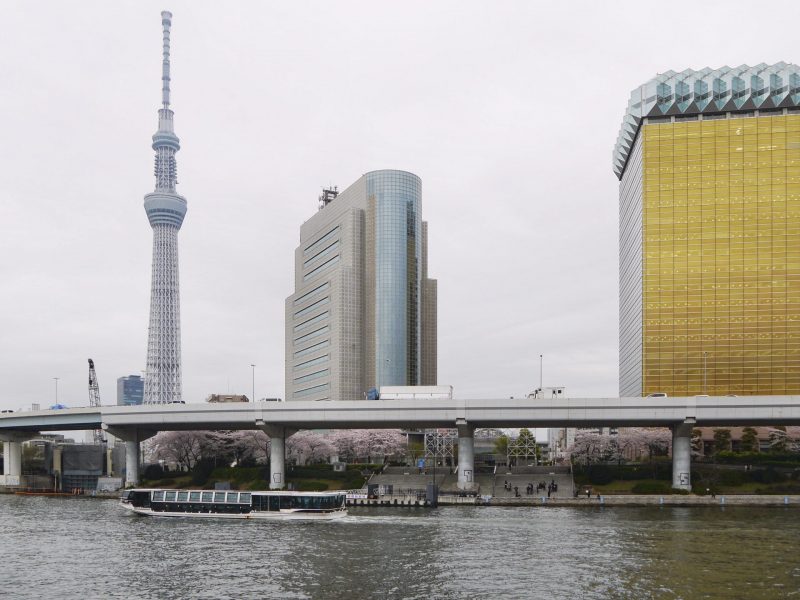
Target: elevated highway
[{"x": 281, "y": 419}]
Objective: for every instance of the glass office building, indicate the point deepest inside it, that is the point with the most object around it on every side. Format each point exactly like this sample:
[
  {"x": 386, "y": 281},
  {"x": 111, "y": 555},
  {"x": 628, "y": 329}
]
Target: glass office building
[
  {"x": 363, "y": 313},
  {"x": 130, "y": 390},
  {"x": 709, "y": 169}
]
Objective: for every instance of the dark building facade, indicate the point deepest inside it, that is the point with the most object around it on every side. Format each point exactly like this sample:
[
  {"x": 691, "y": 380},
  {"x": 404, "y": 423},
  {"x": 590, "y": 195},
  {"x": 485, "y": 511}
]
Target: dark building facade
[{"x": 130, "y": 390}]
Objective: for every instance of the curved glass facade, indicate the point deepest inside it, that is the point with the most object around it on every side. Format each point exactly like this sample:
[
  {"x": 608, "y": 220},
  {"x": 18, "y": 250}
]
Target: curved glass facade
[{"x": 398, "y": 254}]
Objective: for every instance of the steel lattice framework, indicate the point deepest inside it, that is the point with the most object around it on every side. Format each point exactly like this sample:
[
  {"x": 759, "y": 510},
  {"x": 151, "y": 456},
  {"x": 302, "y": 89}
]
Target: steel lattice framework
[
  {"x": 521, "y": 447},
  {"x": 94, "y": 400},
  {"x": 166, "y": 211},
  {"x": 440, "y": 443}
]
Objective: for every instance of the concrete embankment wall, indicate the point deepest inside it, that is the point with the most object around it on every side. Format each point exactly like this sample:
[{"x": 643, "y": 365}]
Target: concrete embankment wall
[
  {"x": 610, "y": 501},
  {"x": 653, "y": 500}
]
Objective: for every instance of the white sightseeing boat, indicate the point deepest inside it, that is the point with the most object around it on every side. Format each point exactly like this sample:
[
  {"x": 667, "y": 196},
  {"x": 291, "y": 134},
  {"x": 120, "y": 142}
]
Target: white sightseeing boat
[{"x": 235, "y": 505}]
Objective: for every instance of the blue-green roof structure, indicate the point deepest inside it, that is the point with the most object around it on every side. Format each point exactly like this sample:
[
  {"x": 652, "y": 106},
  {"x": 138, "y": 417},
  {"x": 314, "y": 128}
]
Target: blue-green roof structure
[{"x": 707, "y": 91}]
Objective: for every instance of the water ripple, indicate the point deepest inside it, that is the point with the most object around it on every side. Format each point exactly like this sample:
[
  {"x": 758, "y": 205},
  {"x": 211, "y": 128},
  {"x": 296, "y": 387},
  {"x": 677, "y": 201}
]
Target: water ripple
[{"x": 78, "y": 548}]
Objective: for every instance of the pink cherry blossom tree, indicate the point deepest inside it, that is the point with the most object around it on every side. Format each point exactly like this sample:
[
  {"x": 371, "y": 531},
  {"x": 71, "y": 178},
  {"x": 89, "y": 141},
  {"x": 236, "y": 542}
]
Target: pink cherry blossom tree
[
  {"x": 369, "y": 445},
  {"x": 183, "y": 448},
  {"x": 309, "y": 447}
]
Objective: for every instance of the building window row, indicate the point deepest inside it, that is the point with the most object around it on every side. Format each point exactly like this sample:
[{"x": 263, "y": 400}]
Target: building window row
[
  {"x": 332, "y": 233},
  {"x": 311, "y": 349},
  {"x": 328, "y": 263},
  {"x": 312, "y": 376},
  {"x": 312, "y": 390},
  {"x": 310, "y": 294},
  {"x": 313, "y": 334},
  {"x": 312, "y": 362},
  {"x": 322, "y": 253},
  {"x": 312, "y": 321},
  {"x": 312, "y": 307}
]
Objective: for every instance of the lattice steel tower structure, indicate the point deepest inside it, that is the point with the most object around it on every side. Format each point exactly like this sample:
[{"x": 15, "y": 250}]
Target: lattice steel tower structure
[{"x": 165, "y": 210}]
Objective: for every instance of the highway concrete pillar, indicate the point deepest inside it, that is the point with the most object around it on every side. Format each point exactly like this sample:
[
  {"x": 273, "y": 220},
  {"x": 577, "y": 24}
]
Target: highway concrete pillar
[
  {"x": 12, "y": 459},
  {"x": 133, "y": 437},
  {"x": 277, "y": 453},
  {"x": 132, "y": 460},
  {"x": 466, "y": 455},
  {"x": 12, "y": 456},
  {"x": 682, "y": 456}
]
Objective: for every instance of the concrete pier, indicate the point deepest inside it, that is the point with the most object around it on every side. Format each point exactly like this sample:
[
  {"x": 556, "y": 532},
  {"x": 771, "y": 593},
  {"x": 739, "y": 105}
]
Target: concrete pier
[
  {"x": 466, "y": 456},
  {"x": 12, "y": 459},
  {"x": 132, "y": 461},
  {"x": 277, "y": 456},
  {"x": 682, "y": 456},
  {"x": 133, "y": 437}
]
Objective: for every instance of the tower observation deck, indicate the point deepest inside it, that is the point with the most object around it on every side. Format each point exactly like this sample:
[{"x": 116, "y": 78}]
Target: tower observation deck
[{"x": 165, "y": 210}]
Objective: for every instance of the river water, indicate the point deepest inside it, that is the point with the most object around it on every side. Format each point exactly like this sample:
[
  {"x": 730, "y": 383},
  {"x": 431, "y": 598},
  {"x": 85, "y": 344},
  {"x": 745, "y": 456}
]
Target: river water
[{"x": 84, "y": 548}]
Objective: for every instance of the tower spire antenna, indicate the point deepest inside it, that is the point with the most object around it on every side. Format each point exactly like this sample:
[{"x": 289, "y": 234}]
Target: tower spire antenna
[
  {"x": 165, "y": 142},
  {"x": 166, "y": 22}
]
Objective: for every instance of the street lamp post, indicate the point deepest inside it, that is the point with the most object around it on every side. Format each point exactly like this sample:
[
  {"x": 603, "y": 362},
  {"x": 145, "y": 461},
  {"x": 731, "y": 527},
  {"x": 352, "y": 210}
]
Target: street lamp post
[
  {"x": 541, "y": 390},
  {"x": 254, "y": 381}
]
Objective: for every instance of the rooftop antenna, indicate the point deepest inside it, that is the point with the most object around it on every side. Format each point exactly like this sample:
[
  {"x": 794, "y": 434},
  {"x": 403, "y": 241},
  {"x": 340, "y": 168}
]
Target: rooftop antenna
[{"x": 327, "y": 196}]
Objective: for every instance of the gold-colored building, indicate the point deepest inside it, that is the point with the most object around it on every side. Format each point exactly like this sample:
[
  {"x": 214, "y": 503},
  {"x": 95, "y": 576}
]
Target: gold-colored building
[{"x": 709, "y": 168}]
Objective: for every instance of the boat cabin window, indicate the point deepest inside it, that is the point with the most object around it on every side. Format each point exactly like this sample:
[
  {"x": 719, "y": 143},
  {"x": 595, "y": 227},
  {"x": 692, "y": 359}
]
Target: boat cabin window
[
  {"x": 244, "y": 498},
  {"x": 170, "y": 497},
  {"x": 208, "y": 496},
  {"x": 219, "y": 496},
  {"x": 158, "y": 496},
  {"x": 276, "y": 502},
  {"x": 233, "y": 497},
  {"x": 194, "y": 496},
  {"x": 139, "y": 498},
  {"x": 183, "y": 496}
]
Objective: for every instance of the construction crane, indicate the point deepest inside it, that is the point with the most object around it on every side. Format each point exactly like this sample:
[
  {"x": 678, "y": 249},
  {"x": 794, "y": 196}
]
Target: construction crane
[{"x": 94, "y": 399}]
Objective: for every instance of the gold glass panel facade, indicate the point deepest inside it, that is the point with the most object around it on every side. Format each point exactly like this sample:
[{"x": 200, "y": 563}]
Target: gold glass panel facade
[{"x": 721, "y": 256}]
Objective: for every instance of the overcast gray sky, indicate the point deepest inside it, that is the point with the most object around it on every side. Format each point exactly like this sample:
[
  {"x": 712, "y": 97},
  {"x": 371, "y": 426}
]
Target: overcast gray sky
[{"x": 508, "y": 111}]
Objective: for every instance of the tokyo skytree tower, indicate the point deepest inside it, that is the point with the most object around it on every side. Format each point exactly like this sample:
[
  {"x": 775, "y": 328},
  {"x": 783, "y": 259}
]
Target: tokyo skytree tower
[{"x": 165, "y": 210}]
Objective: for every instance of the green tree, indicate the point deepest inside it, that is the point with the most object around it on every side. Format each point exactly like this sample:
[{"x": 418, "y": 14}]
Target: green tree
[
  {"x": 416, "y": 450},
  {"x": 749, "y": 440},
  {"x": 722, "y": 440},
  {"x": 524, "y": 446},
  {"x": 525, "y": 437},
  {"x": 501, "y": 445}
]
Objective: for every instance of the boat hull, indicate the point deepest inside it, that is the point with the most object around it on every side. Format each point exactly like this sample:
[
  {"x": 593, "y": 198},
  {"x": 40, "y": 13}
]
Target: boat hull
[{"x": 287, "y": 515}]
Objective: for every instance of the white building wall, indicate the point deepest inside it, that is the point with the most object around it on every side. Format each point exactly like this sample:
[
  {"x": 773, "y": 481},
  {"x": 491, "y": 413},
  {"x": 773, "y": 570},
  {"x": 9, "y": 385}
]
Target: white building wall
[
  {"x": 323, "y": 356},
  {"x": 630, "y": 275}
]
